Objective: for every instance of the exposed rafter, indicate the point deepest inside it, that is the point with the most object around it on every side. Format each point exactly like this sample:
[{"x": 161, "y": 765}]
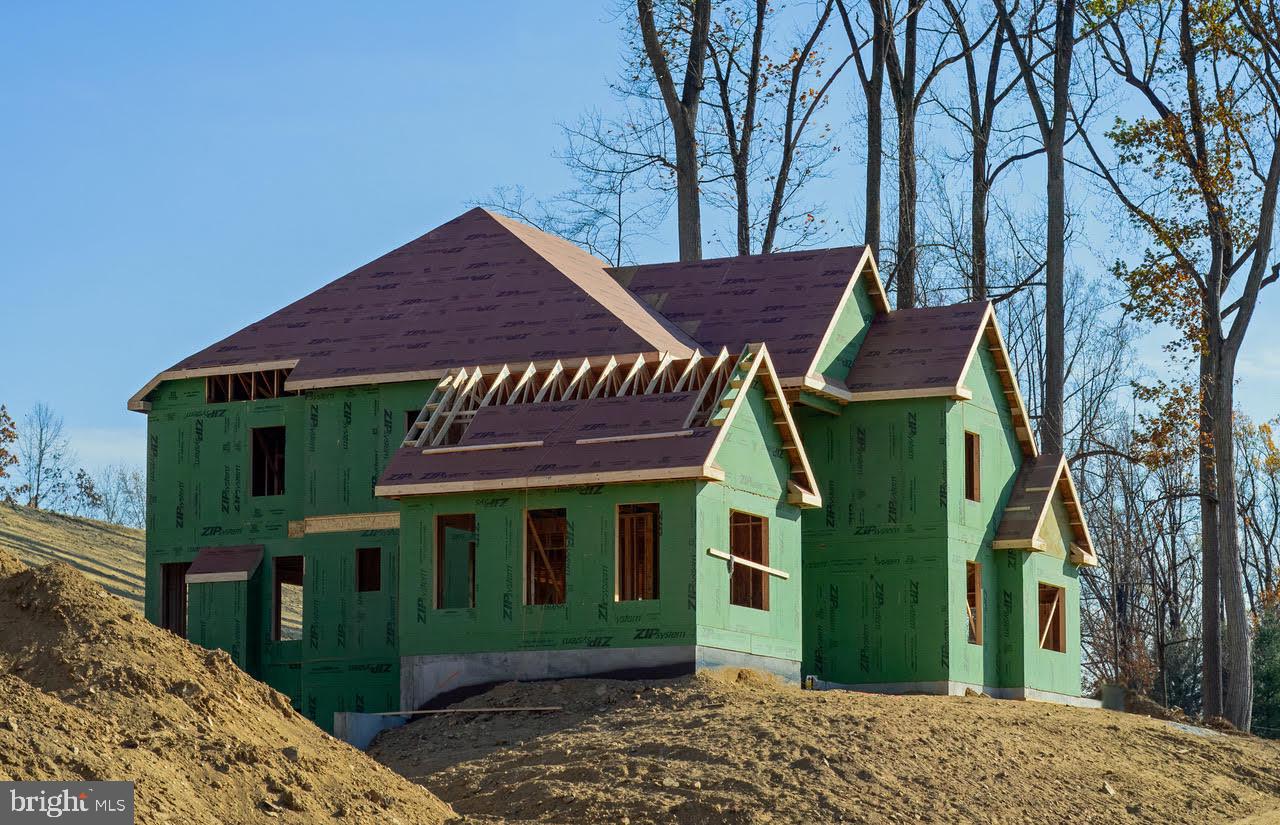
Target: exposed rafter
[{"x": 457, "y": 397}]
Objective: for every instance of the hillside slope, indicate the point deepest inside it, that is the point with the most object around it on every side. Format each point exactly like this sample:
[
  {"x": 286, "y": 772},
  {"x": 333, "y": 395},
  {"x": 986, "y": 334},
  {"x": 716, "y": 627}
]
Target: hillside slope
[
  {"x": 108, "y": 554},
  {"x": 91, "y": 690},
  {"x": 739, "y": 748}
]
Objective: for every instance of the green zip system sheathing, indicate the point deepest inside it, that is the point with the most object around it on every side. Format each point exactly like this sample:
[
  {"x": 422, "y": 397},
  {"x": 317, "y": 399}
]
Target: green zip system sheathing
[
  {"x": 336, "y": 443},
  {"x": 849, "y": 327},
  {"x": 887, "y": 556},
  {"x": 875, "y": 597},
  {"x": 972, "y": 524},
  {"x": 690, "y": 622},
  {"x": 756, "y": 472}
]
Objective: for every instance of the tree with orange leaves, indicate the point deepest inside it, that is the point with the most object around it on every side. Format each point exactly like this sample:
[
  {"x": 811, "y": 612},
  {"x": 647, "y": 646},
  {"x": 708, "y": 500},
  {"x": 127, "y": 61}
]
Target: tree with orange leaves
[{"x": 1198, "y": 174}]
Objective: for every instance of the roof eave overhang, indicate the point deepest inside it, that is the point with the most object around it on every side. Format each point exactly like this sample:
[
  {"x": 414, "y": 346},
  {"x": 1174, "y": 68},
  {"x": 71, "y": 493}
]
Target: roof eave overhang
[{"x": 694, "y": 473}]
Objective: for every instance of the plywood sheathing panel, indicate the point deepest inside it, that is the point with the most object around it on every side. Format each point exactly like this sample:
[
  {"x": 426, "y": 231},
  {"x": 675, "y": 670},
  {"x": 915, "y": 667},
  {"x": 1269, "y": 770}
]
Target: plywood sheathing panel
[
  {"x": 787, "y": 300},
  {"x": 1038, "y": 481},
  {"x": 479, "y": 290}
]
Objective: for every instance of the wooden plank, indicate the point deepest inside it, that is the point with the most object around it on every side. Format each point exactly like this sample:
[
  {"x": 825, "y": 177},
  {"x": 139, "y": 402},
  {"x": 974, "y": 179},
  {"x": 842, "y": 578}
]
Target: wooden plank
[{"x": 543, "y": 709}]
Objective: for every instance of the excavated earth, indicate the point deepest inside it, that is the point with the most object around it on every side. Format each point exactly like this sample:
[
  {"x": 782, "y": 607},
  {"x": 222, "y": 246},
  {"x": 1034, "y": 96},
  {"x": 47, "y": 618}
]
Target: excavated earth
[
  {"x": 737, "y": 747},
  {"x": 90, "y": 690}
]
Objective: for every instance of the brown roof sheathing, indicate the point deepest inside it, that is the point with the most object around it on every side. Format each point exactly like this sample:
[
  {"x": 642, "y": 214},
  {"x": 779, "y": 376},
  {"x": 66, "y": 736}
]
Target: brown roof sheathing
[
  {"x": 479, "y": 289},
  {"x": 225, "y": 563},
  {"x": 919, "y": 350},
  {"x": 787, "y": 300},
  {"x": 1038, "y": 481}
]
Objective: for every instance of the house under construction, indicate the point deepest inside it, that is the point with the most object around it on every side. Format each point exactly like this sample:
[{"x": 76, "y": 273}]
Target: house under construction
[{"x": 488, "y": 456}]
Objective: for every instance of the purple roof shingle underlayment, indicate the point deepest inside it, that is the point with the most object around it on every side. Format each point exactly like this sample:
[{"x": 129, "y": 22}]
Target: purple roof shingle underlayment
[
  {"x": 560, "y": 426},
  {"x": 480, "y": 289},
  {"x": 786, "y": 299},
  {"x": 917, "y": 349}
]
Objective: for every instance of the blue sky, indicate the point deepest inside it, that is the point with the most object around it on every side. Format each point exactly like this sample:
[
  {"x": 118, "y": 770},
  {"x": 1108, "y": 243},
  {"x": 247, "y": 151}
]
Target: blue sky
[{"x": 173, "y": 172}]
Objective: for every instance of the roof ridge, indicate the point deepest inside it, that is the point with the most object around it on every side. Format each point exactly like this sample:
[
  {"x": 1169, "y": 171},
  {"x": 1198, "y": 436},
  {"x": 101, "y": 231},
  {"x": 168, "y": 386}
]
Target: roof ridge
[{"x": 588, "y": 273}]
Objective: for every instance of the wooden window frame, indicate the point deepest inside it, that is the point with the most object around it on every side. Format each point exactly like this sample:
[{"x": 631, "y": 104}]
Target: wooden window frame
[
  {"x": 972, "y": 466},
  {"x": 368, "y": 576},
  {"x": 440, "y": 525},
  {"x": 759, "y": 579},
  {"x": 973, "y": 601},
  {"x": 268, "y": 474},
  {"x": 277, "y": 600},
  {"x": 620, "y": 591},
  {"x": 541, "y": 551},
  {"x": 1053, "y": 631}
]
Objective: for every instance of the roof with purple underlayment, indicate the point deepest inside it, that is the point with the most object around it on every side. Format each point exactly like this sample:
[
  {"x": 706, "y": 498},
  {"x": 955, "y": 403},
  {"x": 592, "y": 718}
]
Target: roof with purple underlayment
[
  {"x": 225, "y": 563},
  {"x": 917, "y": 349},
  {"x": 481, "y": 289},
  {"x": 787, "y": 299},
  {"x": 561, "y": 439}
]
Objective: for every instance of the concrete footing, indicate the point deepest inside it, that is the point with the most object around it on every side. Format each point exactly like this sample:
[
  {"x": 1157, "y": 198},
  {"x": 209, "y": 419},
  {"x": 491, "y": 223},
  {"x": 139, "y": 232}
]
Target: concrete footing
[{"x": 950, "y": 688}]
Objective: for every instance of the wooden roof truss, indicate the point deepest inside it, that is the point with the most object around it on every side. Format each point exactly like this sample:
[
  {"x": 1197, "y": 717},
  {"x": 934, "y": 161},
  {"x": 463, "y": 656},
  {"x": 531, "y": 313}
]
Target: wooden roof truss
[{"x": 461, "y": 393}]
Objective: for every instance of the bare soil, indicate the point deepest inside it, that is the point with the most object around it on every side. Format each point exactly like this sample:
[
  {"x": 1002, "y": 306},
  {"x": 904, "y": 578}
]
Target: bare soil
[
  {"x": 91, "y": 690},
  {"x": 737, "y": 747}
]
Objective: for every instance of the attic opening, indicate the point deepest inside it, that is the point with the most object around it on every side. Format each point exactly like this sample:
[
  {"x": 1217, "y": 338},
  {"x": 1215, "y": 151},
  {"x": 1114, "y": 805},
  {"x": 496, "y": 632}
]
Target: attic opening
[
  {"x": 545, "y": 556},
  {"x": 246, "y": 386}
]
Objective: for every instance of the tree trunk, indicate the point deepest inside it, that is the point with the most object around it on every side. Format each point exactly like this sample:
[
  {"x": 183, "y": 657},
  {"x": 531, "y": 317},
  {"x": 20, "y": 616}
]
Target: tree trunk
[
  {"x": 905, "y": 265},
  {"x": 874, "y": 90},
  {"x": 1051, "y": 421},
  {"x": 1238, "y": 706},
  {"x": 978, "y": 219},
  {"x": 1210, "y": 624}
]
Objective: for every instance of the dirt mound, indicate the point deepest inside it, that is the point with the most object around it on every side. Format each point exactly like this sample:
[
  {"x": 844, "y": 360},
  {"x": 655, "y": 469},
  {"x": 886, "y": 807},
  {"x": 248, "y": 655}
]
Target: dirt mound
[
  {"x": 91, "y": 690},
  {"x": 112, "y": 555},
  {"x": 740, "y": 748}
]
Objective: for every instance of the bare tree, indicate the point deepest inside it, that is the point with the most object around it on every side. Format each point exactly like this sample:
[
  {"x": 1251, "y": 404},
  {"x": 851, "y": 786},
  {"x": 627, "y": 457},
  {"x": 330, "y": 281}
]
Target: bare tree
[
  {"x": 871, "y": 78},
  {"x": 44, "y": 459},
  {"x": 765, "y": 143},
  {"x": 909, "y": 87},
  {"x": 682, "y": 109},
  {"x": 124, "y": 495},
  {"x": 1050, "y": 101}
]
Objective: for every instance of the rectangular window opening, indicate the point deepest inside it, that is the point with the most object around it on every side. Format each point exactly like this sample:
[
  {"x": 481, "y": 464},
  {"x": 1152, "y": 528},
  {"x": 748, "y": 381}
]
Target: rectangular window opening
[
  {"x": 410, "y": 418},
  {"x": 973, "y": 601},
  {"x": 972, "y": 466},
  {"x": 638, "y": 526},
  {"x": 246, "y": 386},
  {"x": 545, "y": 556},
  {"x": 173, "y": 597},
  {"x": 268, "y": 461},
  {"x": 286, "y": 612},
  {"x": 368, "y": 569},
  {"x": 1053, "y": 620},
  {"x": 749, "y": 540},
  {"x": 456, "y": 561}
]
